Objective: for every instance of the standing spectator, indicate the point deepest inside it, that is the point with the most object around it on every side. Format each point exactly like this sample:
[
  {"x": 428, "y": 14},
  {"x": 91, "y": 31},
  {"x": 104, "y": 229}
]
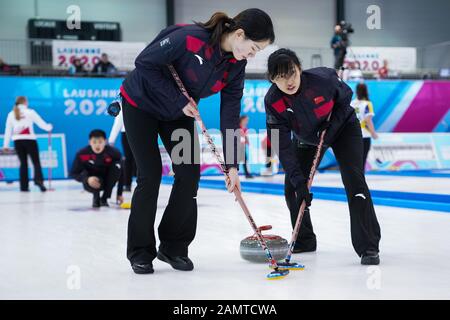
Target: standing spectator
[
  {"x": 364, "y": 111},
  {"x": 19, "y": 126},
  {"x": 243, "y": 123},
  {"x": 104, "y": 66},
  {"x": 339, "y": 46}
]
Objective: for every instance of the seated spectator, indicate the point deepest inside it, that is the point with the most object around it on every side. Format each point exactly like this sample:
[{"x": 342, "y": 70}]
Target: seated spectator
[
  {"x": 77, "y": 67},
  {"x": 9, "y": 69},
  {"x": 353, "y": 72},
  {"x": 97, "y": 167},
  {"x": 104, "y": 66},
  {"x": 383, "y": 72},
  {"x": 3, "y": 66}
]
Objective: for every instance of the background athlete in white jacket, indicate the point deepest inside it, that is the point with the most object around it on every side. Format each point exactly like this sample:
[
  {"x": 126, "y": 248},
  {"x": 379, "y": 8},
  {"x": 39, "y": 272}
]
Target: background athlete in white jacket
[
  {"x": 128, "y": 166},
  {"x": 19, "y": 127}
]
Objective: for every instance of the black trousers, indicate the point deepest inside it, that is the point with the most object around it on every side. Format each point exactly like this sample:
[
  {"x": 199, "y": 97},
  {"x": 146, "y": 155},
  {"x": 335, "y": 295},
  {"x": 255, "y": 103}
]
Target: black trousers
[
  {"x": 269, "y": 157},
  {"x": 306, "y": 239},
  {"x": 348, "y": 149},
  {"x": 366, "y": 143},
  {"x": 179, "y": 222},
  {"x": 245, "y": 165},
  {"x": 129, "y": 165},
  {"x": 25, "y": 148},
  {"x": 107, "y": 182},
  {"x": 339, "y": 58},
  {"x": 121, "y": 178}
]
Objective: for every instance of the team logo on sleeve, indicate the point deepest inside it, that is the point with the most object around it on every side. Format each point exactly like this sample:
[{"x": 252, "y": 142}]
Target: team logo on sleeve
[
  {"x": 164, "y": 42},
  {"x": 200, "y": 59}
]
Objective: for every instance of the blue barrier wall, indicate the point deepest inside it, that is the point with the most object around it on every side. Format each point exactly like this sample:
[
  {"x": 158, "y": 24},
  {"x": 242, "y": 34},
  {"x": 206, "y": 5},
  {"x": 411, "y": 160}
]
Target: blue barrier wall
[{"x": 75, "y": 106}]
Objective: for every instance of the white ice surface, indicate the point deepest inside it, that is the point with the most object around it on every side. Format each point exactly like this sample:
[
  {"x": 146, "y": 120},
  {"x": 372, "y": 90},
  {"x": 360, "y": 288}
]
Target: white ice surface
[{"x": 45, "y": 236}]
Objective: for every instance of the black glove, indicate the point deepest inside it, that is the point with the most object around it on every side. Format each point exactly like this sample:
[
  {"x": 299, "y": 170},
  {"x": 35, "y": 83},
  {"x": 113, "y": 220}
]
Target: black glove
[
  {"x": 303, "y": 194},
  {"x": 323, "y": 126},
  {"x": 114, "y": 109}
]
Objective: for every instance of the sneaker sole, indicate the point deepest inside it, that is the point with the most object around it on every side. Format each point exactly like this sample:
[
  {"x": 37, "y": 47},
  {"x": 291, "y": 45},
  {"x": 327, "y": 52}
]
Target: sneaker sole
[
  {"x": 303, "y": 251},
  {"x": 165, "y": 259},
  {"x": 371, "y": 262},
  {"x": 142, "y": 271}
]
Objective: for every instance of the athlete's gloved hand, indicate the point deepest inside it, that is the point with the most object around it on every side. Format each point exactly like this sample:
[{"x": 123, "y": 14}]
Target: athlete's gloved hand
[{"x": 303, "y": 194}]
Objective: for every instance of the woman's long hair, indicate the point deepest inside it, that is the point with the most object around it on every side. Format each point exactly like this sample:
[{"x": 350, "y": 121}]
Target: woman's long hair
[
  {"x": 256, "y": 24},
  {"x": 361, "y": 92},
  {"x": 19, "y": 100}
]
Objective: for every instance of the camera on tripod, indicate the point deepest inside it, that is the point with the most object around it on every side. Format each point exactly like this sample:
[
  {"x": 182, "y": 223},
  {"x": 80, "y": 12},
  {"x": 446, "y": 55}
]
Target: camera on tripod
[{"x": 347, "y": 29}]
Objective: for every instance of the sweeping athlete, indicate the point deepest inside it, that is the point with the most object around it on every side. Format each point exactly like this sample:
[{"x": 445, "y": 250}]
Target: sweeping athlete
[
  {"x": 298, "y": 104},
  {"x": 210, "y": 58}
]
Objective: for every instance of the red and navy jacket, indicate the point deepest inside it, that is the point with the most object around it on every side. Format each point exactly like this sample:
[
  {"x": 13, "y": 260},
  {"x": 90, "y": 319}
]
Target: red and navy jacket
[
  {"x": 87, "y": 163},
  {"x": 301, "y": 115},
  {"x": 204, "y": 70}
]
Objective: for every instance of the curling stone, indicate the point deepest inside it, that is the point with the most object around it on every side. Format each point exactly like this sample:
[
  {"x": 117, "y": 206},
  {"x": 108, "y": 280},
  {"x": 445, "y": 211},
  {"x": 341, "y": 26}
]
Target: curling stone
[{"x": 251, "y": 249}]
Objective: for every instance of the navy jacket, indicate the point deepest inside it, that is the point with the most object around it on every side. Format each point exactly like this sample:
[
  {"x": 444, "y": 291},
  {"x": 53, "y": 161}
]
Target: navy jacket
[
  {"x": 301, "y": 115},
  {"x": 87, "y": 163},
  {"x": 205, "y": 70}
]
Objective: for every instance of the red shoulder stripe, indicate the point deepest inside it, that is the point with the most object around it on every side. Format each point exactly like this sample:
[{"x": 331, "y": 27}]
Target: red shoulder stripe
[
  {"x": 279, "y": 106},
  {"x": 194, "y": 44},
  {"x": 324, "y": 109}
]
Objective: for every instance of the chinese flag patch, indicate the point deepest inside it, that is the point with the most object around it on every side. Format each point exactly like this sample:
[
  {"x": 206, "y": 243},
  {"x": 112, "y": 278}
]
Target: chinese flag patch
[{"x": 318, "y": 100}]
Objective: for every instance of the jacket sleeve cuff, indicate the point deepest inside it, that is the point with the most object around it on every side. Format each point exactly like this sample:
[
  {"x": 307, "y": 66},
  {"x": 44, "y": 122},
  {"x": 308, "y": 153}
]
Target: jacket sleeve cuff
[{"x": 181, "y": 102}]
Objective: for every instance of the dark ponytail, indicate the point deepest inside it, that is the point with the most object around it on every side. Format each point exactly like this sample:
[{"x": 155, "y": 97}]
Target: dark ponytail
[
  {"x": 256, "y": 24},
  {"x": 361, "y": 92},
  {"x": 218, "y": 24}
]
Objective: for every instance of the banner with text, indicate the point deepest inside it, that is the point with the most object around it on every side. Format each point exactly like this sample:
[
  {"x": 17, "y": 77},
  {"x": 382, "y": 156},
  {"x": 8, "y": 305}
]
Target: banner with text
[{"x": 121, "y": 54}]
